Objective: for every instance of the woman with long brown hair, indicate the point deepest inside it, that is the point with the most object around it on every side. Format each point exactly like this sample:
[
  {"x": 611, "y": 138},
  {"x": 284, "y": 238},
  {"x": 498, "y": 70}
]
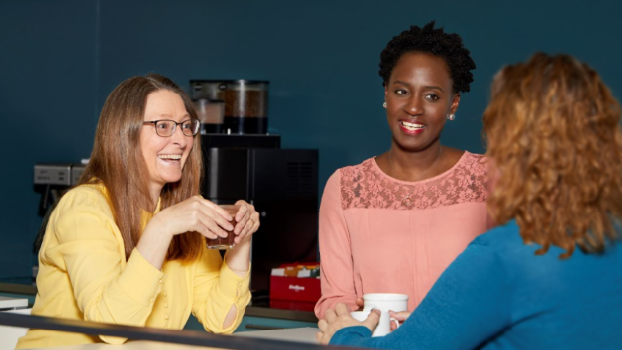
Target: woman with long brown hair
[
  {"x": 548, "y": 277},
  {"x": 127, "y": 244}
]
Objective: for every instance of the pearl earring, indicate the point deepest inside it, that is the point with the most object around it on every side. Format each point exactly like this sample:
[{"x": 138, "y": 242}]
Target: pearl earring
[
  {"x": 384, "y": 104},
  {"x": 451, "y": 116}
]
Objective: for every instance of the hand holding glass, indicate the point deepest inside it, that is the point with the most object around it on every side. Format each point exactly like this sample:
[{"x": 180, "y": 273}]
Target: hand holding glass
[{"x": 229, "y": 241}]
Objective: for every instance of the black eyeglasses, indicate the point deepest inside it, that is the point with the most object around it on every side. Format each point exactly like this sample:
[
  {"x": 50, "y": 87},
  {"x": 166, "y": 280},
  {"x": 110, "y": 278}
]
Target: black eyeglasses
[{"x": 166, "y": 128}]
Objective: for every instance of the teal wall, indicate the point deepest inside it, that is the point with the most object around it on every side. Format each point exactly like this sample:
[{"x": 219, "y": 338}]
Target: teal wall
[
  {"x": 48, "y": 94},
  {"x": 60, "y": 59}
]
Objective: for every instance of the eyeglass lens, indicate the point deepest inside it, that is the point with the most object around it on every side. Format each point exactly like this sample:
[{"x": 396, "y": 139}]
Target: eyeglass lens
[{"x": 167, "y": 127}]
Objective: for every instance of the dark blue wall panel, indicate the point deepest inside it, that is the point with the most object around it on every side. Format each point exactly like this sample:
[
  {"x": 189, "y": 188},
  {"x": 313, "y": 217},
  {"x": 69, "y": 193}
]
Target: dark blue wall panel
[
  {"x": 59, "y": 60},
  {"x": 48, "y": 105}
]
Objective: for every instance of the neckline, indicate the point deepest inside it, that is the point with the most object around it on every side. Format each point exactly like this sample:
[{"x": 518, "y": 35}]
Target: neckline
[
  {"x": 157, "y": 208},
  {"x": 104, "y": 190},
  {"x": 382, "y": 173}
]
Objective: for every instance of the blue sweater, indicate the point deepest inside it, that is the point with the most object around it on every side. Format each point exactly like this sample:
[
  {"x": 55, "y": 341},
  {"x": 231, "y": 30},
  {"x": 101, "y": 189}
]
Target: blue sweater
[{"x": 498, "y": 295}]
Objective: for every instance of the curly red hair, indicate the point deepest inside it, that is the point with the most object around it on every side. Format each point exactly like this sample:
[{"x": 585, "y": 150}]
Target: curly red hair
[{"x": 553, "y": 132}]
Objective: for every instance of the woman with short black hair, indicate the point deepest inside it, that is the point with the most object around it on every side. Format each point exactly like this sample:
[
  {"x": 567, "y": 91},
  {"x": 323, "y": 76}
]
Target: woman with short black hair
[{"x": 394, "y": 222}]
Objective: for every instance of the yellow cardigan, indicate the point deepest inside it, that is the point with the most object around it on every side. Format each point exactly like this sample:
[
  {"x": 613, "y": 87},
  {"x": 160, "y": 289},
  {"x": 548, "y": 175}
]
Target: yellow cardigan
[{"x": 84, "y": 275}]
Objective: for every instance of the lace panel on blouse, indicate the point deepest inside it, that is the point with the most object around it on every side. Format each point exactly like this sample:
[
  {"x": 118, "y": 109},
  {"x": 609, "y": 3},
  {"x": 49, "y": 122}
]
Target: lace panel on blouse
[{"x": 364, "y": 186}]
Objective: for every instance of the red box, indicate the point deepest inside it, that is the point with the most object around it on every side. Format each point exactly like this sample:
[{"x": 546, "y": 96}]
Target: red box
[{"x": 294, "y": 293}]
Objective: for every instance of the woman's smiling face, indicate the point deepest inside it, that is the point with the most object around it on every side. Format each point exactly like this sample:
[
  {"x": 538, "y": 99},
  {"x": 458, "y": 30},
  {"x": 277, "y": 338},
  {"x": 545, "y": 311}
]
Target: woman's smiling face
[
  {"x": 419, "y": 96},
  {"x": 164, "y": 156}
]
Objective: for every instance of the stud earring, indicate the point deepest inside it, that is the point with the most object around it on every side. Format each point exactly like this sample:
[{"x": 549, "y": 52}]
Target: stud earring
[
  {"x": 384, "y": 104},
  {"x": 451, "y": 116}
]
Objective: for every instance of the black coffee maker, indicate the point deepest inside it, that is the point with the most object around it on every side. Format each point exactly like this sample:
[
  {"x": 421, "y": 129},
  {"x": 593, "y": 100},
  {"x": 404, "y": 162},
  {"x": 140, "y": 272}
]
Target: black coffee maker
[{"x": 282, "y": 184}]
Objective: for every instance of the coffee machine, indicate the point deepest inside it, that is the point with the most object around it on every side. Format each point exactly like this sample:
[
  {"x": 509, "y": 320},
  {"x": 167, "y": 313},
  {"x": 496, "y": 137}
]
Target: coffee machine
[
  {"x": 243, "y": 161},
  {"x": 282, "y": 184}
]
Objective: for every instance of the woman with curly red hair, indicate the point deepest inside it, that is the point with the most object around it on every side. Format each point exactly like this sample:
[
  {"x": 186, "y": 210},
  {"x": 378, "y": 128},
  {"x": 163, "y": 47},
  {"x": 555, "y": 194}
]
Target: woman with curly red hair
[{"x": 548, "y": 277}]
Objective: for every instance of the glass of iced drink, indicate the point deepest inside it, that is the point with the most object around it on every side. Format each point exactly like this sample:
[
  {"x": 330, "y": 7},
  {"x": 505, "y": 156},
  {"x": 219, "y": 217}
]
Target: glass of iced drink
[{"x": 225, "y": 242}]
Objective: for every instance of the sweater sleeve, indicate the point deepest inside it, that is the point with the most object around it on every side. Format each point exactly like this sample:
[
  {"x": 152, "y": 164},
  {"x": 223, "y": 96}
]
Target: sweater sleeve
[
  {"x": 216, "y": 290},
  {"x": 337, "y": 271},
  {"x": 468, "y": 305},
  {"x": 106, "y": 288}
]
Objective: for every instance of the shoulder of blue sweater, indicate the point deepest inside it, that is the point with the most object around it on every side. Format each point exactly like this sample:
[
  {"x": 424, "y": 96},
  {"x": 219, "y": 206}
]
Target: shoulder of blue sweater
[
  {"x": 507, "y": 233},
  {"x": 507, "y": 242}
]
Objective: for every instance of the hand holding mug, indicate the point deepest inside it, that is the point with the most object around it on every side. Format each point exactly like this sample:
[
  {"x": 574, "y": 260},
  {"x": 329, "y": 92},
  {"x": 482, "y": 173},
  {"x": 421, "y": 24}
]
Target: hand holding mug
[
  {"x": 388, "y": 302},
  {"x": 341, "y": 318},
  {"x": 360, "y": 302},
  {"x": 399, "y": 317}
]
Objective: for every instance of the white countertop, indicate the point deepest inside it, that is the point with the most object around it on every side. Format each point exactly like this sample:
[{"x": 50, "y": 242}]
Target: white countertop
[
  {"x": 7, "y": 303},
  {"x": 305, "y": 335}
]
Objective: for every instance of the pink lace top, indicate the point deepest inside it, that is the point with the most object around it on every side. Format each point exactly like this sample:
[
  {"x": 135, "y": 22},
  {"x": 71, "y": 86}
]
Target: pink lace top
[{"x": 382, "y": 235}]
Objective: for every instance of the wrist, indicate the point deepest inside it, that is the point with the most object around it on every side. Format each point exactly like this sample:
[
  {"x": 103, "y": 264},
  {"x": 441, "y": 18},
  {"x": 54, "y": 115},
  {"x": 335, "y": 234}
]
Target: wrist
[
  {"x": 242, "y": 250},
  {"x": 237, "y": 268},
  {"x": 238, "y": 260},
  {"x": 241, "y": 273},
  {"x": 159, "y": 224}
]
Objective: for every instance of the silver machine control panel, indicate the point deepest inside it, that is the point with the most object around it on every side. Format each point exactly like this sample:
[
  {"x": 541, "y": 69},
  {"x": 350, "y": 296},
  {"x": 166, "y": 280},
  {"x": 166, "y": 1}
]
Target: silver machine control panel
[{"x": 65, "y": 174}]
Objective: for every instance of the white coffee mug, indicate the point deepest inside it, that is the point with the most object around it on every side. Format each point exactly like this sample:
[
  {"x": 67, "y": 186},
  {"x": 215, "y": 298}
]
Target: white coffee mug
[
  {"x": 386, "y": 302},
  {"x": 384, "y": 325}
]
